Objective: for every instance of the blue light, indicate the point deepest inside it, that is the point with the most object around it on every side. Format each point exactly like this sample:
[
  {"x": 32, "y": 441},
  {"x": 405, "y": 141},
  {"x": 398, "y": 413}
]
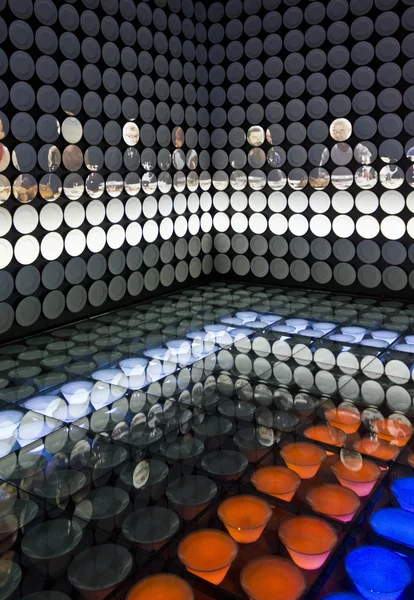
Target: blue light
[
  {"x": 378, "y": 573},
  {"x": 343, "y": 596},
  {"x": 403, "y": 490},
  {"x": 395, "y": 524}
]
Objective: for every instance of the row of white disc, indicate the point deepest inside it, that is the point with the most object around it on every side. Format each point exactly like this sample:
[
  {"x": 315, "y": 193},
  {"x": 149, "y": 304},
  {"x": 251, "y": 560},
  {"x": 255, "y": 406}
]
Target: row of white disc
[{"x": 27, "y": 248}]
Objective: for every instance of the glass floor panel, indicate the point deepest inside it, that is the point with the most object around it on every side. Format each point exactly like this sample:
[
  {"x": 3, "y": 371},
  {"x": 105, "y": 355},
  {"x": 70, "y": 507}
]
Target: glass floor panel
[{"x": 124, "y": 434}]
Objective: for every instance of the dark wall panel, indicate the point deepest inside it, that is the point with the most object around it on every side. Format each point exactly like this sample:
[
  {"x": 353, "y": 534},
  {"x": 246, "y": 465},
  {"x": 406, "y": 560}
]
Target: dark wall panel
[
  {"x": 313, "y": 132},
  {"x": 104, "y": 156}
]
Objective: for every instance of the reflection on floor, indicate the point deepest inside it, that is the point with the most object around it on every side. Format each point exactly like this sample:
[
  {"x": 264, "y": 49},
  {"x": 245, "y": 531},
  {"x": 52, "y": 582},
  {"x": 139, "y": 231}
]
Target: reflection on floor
[{"x": 122, "y": 435}]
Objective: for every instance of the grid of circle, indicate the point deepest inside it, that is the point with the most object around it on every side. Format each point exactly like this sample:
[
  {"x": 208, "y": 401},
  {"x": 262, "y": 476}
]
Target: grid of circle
[
  {"x": 85, "y": 167},
  {"x": 295, "y": 87}
]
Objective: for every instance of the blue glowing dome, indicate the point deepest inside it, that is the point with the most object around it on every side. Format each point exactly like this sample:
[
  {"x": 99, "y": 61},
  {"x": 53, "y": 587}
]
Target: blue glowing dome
[
  {"x": 403, "y": 490},
  {"x": 378, "y": 573},
  {"x": 395, "y": 524}
]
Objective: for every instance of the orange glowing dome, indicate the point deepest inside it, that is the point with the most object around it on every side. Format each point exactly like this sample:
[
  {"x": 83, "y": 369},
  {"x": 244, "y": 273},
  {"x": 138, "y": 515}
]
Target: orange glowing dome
[
  {"x": 280, "y": 482},
  {"x": 272, "y": 577}
]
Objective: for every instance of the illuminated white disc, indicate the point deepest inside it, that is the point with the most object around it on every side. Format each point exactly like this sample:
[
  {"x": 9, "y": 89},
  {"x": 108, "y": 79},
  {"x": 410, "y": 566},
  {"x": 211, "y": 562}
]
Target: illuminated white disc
[
  {"x": 239, "y": 222},
  {"x": 239, "y": 201},
  {"x": 166, "y": 228},
  {"x": 194, "y": 224},
  {"x": 6, "y": 253},
  {"x": 75, "y": 242},
  {"x": 95, "y": 212},
  {"x": 26, "y": 249},
  {"x": 206, "y": 222},
  {"x": 180, "y": 204},
  {"x": 180, "y": 226},
  {"x": 392, "y": 227},
  {"x": 367, "y": 227},
  {"x": 298, "y": 202},
  {"x": 133, "y": 208},
  {"x": 320, "y": 225},
  {"x": 206, "y": 201},
  {"x": 258, "y": 223},
  {"x": 115, "y": 210},
  {"x": 133, "y": 234},
  {"x": 221, "y": 201},
  {"x": 366, "y": 202},
  {"x": 392, "y": 202},
  {"x": 277, "y": 202},
  {"x": 115, "y": 236},
  {"x": 221, "y": 221},
  {"x": 343, "y": 226},
  {"x": 149, "y": 207},
  {"x": 165, "y": 205},
  {"x": 52, "y": 246},
  {"x": 150, "y": 231},
  {"x": 342, "y": 202},
  {"x": 298, "y": 225},
  {"x": 96, "y": 239},
  {"x": 278, "y": 224},
  {"x": 319, "y": 202}
]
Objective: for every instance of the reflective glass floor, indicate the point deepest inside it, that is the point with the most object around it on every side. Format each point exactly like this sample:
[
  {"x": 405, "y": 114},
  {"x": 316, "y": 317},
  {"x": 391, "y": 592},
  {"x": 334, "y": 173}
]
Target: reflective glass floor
[{"x": 202, "y": 432}]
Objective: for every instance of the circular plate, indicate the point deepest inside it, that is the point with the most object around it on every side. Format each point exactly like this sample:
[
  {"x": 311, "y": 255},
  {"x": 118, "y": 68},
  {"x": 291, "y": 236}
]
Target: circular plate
[
  {"x": 28, "y": 311},
  {"x": 369, "y": 276},
  {"x": 344, "y": 274},
  {"x": 98, "y": 293},
  {"x": 96, "y": 267},
  {"x": 240, "y": 243},
  {"x": 321, "y": 272},
  {"x": 368, "y": 251},
  {"x": 344, "y": 250},
  {"x": 394, "y": 253},
  {"x": 53, "y": 275},
  {"x": 6, "y": 285},
  {"x": 53, "y": 305},
  {"x": 320, "y": 249},
  {"x": 76, "y": 299},
  {"x": 279, "y": 268},
  {"x": 394, "y": 278},
  {"x": 6, "y": 317},
  {"x": 27, "y": 280}
]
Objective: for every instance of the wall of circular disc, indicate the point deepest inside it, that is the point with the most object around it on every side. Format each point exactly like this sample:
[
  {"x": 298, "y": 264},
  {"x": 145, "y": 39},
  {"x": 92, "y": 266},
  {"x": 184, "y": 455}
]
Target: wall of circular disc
[
  {"x": 104, "y": 163},
  {"x": 312, "y": 143}
]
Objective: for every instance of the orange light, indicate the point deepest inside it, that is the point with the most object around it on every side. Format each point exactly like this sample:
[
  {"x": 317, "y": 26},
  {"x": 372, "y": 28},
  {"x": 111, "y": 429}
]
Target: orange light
[
  {"x": 334, "y": 501},
  {"x": 303, "y": 457},
  {"x": 362, "y": 480},
  {"x": 342, "y": 418},
  {"x": 279, "y": 482},
  {"x": 244, "y": 517},
  {"x": 309, "y": 540},
  {"x": 160, "y": 587},
  {"x": 393, "y": 430},
  {"x": 208, "y": 553},
  {"x": 326, "y": 434},
  {"x": 377, "y": 448},
  {"x": 272, "y": 577}
]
